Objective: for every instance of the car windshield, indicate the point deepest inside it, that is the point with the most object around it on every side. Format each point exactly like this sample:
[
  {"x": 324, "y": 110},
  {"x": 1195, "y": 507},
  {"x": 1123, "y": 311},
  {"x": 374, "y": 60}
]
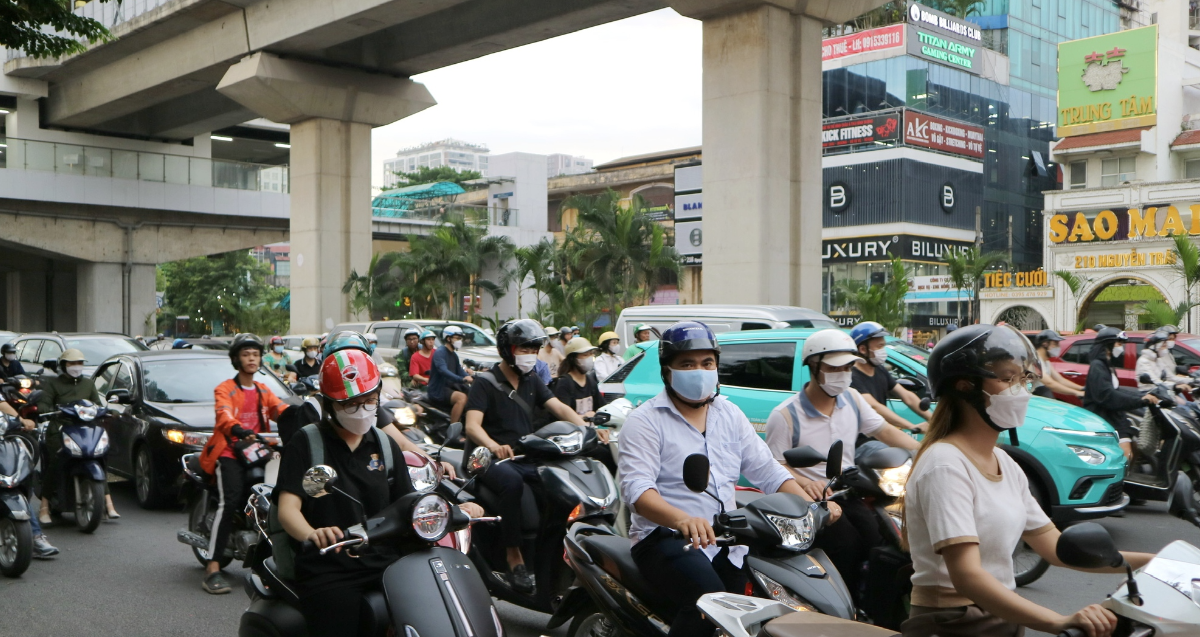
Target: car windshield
[
  {"x": 96, "y": 350},
  {"x": 911, "y": 351},
  {"x": 186, "y": 380},
  {"x": 472, "y": 336}
]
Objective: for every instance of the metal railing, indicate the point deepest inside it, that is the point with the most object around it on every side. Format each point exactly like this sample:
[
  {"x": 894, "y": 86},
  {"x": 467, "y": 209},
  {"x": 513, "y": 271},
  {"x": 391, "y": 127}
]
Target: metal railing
[
  {"x": 473, "y": 215},
  {"x": 95, "y": 161}
]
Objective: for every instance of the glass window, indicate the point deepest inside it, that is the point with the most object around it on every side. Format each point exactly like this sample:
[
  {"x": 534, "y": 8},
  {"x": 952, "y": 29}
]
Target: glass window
[
  {"x": 193, "y": 380},
  {"x": 1078, "y": 352},
  {"x": 1078, "y": 176},
  {"x": 386, "y": 336},
  {"x": 104, "y": 379},
  {"x": 50, "y": 350},
  {"x": 1191, "y": 169},
  {"x": 1115, "y": 171},
  {"x": 28, "y": 351},
  {"x": 96, "y": 350},
  {"x": 124, "y": 379},
  {"x": 758, "y": 365}
]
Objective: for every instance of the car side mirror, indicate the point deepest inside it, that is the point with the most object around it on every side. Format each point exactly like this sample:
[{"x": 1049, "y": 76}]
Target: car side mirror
[
  {"x": 1088, "y": 545},
  {"x": 318, "y": 480},
  {"x": 803, "y": 457},
  {"x": 695, "y": 472},
  {"x": 833, "y": 465},
  {"x": 907, "y": 383},
  {"x": 117, "y": 396}
]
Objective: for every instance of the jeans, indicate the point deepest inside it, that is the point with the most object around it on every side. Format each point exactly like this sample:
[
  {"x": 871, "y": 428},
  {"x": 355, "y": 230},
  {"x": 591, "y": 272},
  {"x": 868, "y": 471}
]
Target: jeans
[
  {"x": 683, "y": 576},
  {"x": 231, "y": 484},
  {"x": 34, "y": 525},
  {"x": 848, "y": 541},
  {"x": 507, "y": 480}
]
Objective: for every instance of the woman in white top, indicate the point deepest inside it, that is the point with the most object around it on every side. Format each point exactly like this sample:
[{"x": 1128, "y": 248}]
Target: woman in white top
[
  {"x": 608, "y": 361},
  {"x": 968, "y": 503}
]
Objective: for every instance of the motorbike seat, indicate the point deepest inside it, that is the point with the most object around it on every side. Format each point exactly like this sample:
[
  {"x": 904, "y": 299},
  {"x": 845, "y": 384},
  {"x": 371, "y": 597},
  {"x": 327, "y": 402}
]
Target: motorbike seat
[
  {"x": 490, "y": 501},
  {"x": 285, "y": 589},
  {"x": 796, "y": 624},
  {"x": 612, "y": 553}
]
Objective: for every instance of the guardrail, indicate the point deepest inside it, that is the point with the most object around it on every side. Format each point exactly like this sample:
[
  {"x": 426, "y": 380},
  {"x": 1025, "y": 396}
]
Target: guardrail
[{"x": 95, "y": 161}]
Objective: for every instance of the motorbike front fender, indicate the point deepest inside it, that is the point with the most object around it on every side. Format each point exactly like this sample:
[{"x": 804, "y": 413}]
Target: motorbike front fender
[
  {"x": 92, "y": 469},
  {"x": 13, "y": 504},
  {"x": 437, "y": 591},
  {"x": 802, "y": 574}
]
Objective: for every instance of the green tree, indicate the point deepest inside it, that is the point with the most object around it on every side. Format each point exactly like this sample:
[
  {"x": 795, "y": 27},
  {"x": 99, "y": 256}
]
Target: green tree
[
  {"x": 426, "y": 175},
  {"x": 37, "y": 27},
  {"x": 883, "y": 303},
  {"x": 376, "y": 291},
  {"x": 1159, "y": 313},
  {"x": 966, "y": 271},
  {"x": 1075, "y": 283},
  {"x": 532, "y": 263},
  {"x": 959, "y": 8},
  {"x": 1187, "y": 264},
  {"x": 229, "y": 288}
]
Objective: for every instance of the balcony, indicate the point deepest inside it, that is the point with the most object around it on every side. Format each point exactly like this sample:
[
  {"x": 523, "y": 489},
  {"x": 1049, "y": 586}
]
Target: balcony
[{"x": 423, "y": 220}]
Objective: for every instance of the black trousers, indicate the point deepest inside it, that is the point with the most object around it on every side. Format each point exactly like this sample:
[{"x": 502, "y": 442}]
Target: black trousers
[
  {"x": 332, "y": 612},
  {"x": 507, "y": 480},
  {"x": 848, "y": 541},
  {"x": 231, "y": 485},
  {"x": 683, "y": 576}
]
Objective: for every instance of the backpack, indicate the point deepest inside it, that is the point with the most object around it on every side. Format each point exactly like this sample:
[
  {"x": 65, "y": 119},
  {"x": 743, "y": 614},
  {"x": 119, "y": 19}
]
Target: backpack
[{"x": 281, "y": 546}]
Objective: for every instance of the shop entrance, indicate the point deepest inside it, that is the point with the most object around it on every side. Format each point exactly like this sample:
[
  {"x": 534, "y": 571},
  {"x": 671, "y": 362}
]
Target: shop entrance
[{"x": 1118, "y": 304}]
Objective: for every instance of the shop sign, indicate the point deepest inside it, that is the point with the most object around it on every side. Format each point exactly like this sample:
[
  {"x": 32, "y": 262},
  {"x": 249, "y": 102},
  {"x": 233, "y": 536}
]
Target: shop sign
[
  {"x": 937, "y": 283},
  {"x": 945, "y": 135},
  {"x": 880, "y": 248},
  {"x": 689, "y": 238},
  {"x": 1106, "y": 225},
  {"x": 846, "y": 320},
  {"x": 1108, "y": 82},
  {"x": 889, "y": 37},
  {"x": 943, "y": 50},
  {"x": 689, "y": 206},
  {"x": 943, "y": 23},
  {"x": 926, "y": 321},
  {"x": 862, "y": 130},
  {"x": 1016, "y": 293},
  {"x": 1131, "y": 259},
  {"x": 1034, "y": 279}
]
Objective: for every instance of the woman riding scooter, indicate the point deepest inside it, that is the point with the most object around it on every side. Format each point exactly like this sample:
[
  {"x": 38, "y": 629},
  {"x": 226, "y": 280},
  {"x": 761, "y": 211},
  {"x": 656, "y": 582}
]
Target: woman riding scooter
[{"x": 1103, "y": 394}]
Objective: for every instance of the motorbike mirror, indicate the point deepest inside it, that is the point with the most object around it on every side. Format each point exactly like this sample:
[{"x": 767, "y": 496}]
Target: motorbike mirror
[
  {"x": 833, "y": 465},
  {"x": 601, "y": 418},
  {"x": 885, "y": 458},
  {"x": 1088, "y": 545},
  {"x": 298, "y": 388},
  {"x": 453, "y": 431},
  {"x": 1145, "y": 378},
  {"x": 318, "y": 480},
  {"x": 925, "y": 403},
  {"x": 479, "y": 460},
  {"x": 1182, "y": 505},
  {"x": 803, "y": 457},
  {"x": 695, "y": 472}
]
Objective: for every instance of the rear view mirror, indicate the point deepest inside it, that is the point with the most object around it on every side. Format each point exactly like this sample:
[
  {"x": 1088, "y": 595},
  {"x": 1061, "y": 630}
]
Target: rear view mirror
[
  {"x": 601, "y": 418},
  {"x": 118, "y": 396},
  {"x": 298, "y": 388},
  {"x": 907, "y": 383},
  {"x": 695, "y": 472},
  {"x": 453, "y": 431},
  {"x": 833, "y": 466},
  {"x": 1088, "y": 545},
  {"x": 925, "y": 404},
  {"x": 318, "y": 479},
  {"x": 478, "y": 462},
  {"x": 887, "y": 458},
  {"x": 803, "y": 457},
  {"x": 1145, "y": 378},
  {"x": 51, "y": 365}
]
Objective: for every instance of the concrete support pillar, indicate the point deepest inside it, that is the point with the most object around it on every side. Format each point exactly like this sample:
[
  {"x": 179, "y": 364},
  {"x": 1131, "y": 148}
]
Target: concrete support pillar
[{"x": 99, "y": 294}]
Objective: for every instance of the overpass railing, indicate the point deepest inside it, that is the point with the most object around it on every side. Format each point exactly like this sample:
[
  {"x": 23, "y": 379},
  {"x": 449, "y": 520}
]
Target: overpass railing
[
  {"x": 472, "y": 214},
  {"x": 95, "y": 161}
]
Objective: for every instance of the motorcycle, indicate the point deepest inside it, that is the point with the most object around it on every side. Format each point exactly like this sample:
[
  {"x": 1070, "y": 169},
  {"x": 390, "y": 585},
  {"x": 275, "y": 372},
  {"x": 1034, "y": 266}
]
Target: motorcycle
[
  {"x": 84, "y": 448},
  {"x": 16, "y": 488},
  {"x": 432, "y": 590},
  {"x": 1168, "y": 446},
  {"x": 574, "y": 488},
  {"x": 779, "y": 530}
]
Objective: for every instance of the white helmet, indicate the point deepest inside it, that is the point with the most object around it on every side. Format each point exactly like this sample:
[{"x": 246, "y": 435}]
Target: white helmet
[
  {"x": 451, "y": 330},
  {"x": 834, "y": 346}
]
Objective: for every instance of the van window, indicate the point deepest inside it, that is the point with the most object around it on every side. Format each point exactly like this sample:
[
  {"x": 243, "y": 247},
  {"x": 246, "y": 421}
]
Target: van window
[
  {"x": 758, "y": 365},
  {"x": 755, "y": 326},
  {"x": 818, "y": 323},
  {"x": 1078, "y": 352},
  {"x": 625, "y": 370}
]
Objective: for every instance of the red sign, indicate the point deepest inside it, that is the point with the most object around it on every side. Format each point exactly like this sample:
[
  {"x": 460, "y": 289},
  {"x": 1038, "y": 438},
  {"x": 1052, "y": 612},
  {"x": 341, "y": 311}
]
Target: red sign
[
  {"x": 942, "y": 134},
  {"x": 866, "y": 130},
  {"x": 888, "y": 37}
]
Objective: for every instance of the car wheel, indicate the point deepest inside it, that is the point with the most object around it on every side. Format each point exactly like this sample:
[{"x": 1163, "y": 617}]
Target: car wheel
[
  {"x": 150, "y": 493},
  {"x": 1028, "y": 566}
]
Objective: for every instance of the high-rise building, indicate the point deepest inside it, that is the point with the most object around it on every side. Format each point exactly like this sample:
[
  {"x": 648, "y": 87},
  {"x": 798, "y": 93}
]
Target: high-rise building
[
  {"x": 559, "y": 164},
  {"x": 456, "y": 154}
]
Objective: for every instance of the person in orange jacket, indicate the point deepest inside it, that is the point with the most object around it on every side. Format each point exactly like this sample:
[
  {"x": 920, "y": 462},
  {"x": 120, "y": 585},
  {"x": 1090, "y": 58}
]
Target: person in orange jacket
[{"x": 244, "y": 408}]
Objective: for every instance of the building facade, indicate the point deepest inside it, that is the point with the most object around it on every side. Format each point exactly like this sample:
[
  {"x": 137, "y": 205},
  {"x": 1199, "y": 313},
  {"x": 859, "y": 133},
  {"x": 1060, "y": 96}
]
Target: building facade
[
  {"x": 456, "y": 154},
  {"x": 559, "y": 164}
]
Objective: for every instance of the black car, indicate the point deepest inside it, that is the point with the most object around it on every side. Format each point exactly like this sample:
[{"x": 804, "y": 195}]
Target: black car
[
  {"x": 165, "y": 408},
  {"x": 35, "y": 348},
  {"x": 196, "y": 343}
]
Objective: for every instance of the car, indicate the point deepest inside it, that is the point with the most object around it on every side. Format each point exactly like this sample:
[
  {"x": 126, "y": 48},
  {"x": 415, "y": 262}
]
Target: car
[
  {"x": 1072, "y": 360},
  {"x": 164, "y": 408},
  {"x": 477, "y": 345},
  {"x": 36, "y": 349},
  {"x": 1071, "y": 456},
  {"x": 196, "y": 343}
]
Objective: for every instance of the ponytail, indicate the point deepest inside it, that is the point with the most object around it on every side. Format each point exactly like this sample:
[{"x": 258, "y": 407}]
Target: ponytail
[{"x": 945, "y": 420}]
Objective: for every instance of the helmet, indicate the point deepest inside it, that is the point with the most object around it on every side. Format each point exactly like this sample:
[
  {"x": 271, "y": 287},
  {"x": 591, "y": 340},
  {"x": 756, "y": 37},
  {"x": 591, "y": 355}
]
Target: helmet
[
  {"x": 451, "y": 330},
  {"x": 310, "y": 342},
  {"x": 951, "y": 327},
  {"x": 1156, "y": 338},
  {"x": 412, "y": 331},
  {"x": 575, "y": 329},
  {"x": 345, "y": 340},
  {"x": 372, "y": 342},
  {"x": 607, "y": 336},
  {"x": 519, "y": 333},
  {"x": 276, "y": 340},
  {"x": 1110, "y": 335},
  {"x": 866, "y": 331},
  {"x": 551, "y": 331},
  {"x": 8, "y": 348},
  {"x": 241, "y": 342},
  {"x": 685, "y": 336},
  {"x": 428, "y": 334},
  {"x": 1169, "y": 329},
  {"x": 1047, "y": 335},
  {"x": 577, "y": 345},
  {"x": 641, "y": 328},
  {"x": 71, "y": 356},
  {"x": 349, "y": 373},
  {"x": 181, "y": 344},
  {"x": 973, "y": 352},
  {"x": 564, "y": 331},
  {"x": 832, "y": 346}
]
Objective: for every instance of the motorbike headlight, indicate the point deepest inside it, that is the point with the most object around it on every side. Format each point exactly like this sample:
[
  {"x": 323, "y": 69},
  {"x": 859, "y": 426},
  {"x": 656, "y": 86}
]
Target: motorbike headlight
[
  {"x": 892, "y": 481},
  {"x": 1087, "y": 454},
  {"x": 405, "y": 416},
  {"x": 781, "y": 594},
  {"x": 568, "y": 443},
  {"x": 8, "y": 482},
  {"x": 72, "y": 447},
  {"x": 102, "y": 446},
  {"x": 424, "y": 477},
  {"x": 796, "y": 534},
  {"x": 195, "y": 438},
  {"x": 86, "y": 413},
  {"x": 430, "y": 517}
]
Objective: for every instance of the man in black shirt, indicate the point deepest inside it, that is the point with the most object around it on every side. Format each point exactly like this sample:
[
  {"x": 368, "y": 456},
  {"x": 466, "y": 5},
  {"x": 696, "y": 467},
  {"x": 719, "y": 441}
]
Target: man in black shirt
[
  {"x": 497, "y": 421},
  {"x": 9, "y": 365},
  {"x": 873, "y": 380},
  {"x": 310, "y": 365}
]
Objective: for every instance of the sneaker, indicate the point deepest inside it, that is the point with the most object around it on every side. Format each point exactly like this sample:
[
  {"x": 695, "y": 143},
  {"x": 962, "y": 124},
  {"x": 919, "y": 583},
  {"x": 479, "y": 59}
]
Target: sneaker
[
  {"x": 215, "y": 583},
  {"x": 522, "y": 582},
  {"x": 42, "y": 549}
]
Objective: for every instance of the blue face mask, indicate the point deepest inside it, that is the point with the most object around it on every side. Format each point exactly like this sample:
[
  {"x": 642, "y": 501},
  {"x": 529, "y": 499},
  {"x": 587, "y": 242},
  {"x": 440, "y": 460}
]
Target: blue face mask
[{"x": 694, "y": 384}]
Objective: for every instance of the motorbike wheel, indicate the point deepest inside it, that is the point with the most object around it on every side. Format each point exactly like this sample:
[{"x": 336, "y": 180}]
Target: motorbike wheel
[
  {"x": 589, "y": 623},
  {"x": 149, "y": 494},
  {"x": 1028, "y": 566},
  {"x": 89, "y": 506},
  {"x": 16, "y": 546},
  {"x": 201, "y": 518}
]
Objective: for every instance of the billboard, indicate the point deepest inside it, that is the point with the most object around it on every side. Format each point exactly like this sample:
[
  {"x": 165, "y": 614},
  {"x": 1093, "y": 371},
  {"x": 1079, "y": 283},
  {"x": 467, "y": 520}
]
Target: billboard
[
  {"x": 883, "y": 247},
  {"x": 862, "y": 130},
  {"x": 889, "y": 37},
  {"x": 945, "y": 135},
  {"x": 944, "y": 39},
  {"x": 1108, "y": 82}
]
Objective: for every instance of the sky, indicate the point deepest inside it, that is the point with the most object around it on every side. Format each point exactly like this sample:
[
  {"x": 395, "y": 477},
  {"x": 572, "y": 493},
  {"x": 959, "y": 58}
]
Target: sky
[{"x": 619, "y": 89}]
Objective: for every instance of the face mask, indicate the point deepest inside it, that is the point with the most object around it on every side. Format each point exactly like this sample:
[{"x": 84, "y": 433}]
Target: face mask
[
  {"x": 1170, "y": 344},
  {"x": 278, "y": 349},
  {"x": 452, "y": 344},
  {"x": 1007, "y": 409},
  {"x": 1118, "y": 351},
  {"x": 312, "y": 353},
  {"x": 74, "y": 371},
  {"x": 585, "y": 364},
  {"x": 11, "y": 357},
  {"x": 526, "y": 362},
  {"x": 359, "y": 422},
  {"x": 878, "y": 357},
  {"x": 1054, "y": 352},
  {"x": 694, "y": 384},
  {"x": 837, "y": 382}
]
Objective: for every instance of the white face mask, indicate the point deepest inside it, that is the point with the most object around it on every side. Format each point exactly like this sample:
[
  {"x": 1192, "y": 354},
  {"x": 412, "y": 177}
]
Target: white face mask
[
  {"x": 1055, "y": 351},
  {"x": 310, "y": 353},
  {"x": 526, "y": 362},
  {"x": 878, "y": 357},
  {"x": 359, "y": 422},
  {"x": 10, "y": 357},
  {"x": 1118, "y": 351},
  {"x": 836, "y": 382},
  {"x": 1170, "y": 344},
  {"x": 452, "y": 343},
  {"x": 74, "y": 371},
  {"x": 1007, "y": 409},
  {"x": 585, "y": 364}
]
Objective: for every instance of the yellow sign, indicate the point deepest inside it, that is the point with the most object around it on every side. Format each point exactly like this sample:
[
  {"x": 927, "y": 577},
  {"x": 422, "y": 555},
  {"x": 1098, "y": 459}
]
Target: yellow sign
[
  {"x": 1034, "y": 279},
  {"x": 1142, "y": 224},
  {"x": 1130, "y": 259}
]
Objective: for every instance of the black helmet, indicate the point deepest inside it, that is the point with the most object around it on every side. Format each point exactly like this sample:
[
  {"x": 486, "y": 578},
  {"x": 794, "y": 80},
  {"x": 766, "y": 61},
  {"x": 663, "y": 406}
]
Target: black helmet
[
  {"x": 241, "y": 342},
  {"x": 1157, "y": 337},
  {"x": 8, "y": 348},
  {"x": 519, "y": 333},
  {"x": 1110, "y": 335},
  {"x": 974, "y": 351},
  {"x": 1047, "y": 335}
]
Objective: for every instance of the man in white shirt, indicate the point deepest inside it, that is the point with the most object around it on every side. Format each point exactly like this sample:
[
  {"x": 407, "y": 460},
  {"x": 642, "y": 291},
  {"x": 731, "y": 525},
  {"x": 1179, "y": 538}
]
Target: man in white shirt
[{"x": 825, "y": 411}]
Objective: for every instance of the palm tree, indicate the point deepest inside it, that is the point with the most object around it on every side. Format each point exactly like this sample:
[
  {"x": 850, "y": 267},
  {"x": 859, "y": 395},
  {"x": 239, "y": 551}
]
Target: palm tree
[
  {"x": 881, "y": 303},
  {"x": 967, "y": 268},
  {"x": 533, "y": 262},
  {"x": 372, "y": 291},
  {"x": 1187, "y": 263},
  {"x": 956, "y": 262},
  {"x": 1159, "y": 313},
  {"x": 958, "y": 8},
  {"x": 454, "y": 258},
  {"x": 1076, "y": 283}
]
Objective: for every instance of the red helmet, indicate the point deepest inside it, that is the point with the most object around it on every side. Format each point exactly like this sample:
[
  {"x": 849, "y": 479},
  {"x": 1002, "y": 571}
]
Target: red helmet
[
  {"x": 276, "y": 340},
  {"x": 349, "y": 373}
]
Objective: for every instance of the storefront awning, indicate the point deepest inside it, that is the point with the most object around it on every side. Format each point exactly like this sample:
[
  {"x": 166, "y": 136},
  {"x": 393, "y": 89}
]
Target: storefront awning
[
  {"x": 1078, "y": 143},
  {"x": 1187, "y": 138}
]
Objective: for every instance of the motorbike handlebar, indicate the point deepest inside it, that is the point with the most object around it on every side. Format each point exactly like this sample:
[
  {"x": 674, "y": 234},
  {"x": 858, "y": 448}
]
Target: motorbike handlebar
[
  {"x": 1073, "y": 632},
  {"x": 308, "y": 547}
]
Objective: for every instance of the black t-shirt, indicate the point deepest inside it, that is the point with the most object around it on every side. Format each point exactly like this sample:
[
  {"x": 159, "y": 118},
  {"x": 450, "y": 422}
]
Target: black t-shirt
[
  {"x": 581, "y": 399},
  {"x": 361, "y": 474},
  {"x": 878, "y": 385},
  {"x": 304, "y": 370},
  {"x": 503, "y": 419}
]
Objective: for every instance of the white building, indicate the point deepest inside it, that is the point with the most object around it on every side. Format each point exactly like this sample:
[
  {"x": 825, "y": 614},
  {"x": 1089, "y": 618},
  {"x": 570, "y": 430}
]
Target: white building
[
  {"x": 559, "y": 164},
  {"x": 456, "y": 154}
]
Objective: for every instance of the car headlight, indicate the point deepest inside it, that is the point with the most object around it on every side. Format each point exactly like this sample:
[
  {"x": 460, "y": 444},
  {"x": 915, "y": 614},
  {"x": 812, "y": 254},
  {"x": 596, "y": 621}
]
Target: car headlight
[
  {"x": 892, "y": 481},
  {"x": 424, "y": 477},
  {"x": 72, "y": 447},
  {"x": 430, "y": 517},
  {"x": 781, "y": 594},
  {"x": 568, "y": 443},
  {"x": 796, "y": 534},
  {"x": 193, "y": 438},
  {"x": 1077, "y": 432},
  {"x": 405, "y": 416},
  {"x": 1088, "y": 455},
  {"x": 102, "y": 446}
]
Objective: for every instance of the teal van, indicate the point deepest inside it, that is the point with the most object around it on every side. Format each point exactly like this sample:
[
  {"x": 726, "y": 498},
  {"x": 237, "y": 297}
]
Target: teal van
[{"x": 1071, "y": 456}]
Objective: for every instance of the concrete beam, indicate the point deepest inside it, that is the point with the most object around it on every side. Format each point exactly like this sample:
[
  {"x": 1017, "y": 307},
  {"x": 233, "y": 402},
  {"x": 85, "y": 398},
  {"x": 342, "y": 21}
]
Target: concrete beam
[
  {"x": 182, "y": 117},
  {"x": 829, "y": 12}
]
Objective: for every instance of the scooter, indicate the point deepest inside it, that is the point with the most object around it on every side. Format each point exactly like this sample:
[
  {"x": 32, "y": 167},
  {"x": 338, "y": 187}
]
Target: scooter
[
  {"x": 612, "y": 598},
  {"x": 16, "y": 488},
  {"x": 84, "y": 448},
  {"x": 432, "y": 590},
  {"x": 204, "y": 501},
  {"x": 1166, "y": 450}
]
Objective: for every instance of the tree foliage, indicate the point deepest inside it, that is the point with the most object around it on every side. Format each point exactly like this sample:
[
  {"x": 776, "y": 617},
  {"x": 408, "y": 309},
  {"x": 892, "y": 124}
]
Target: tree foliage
[
  {"x": 1187, "y": 264},
  {"x": 426, "y": 175},
  {"x": 1075, "y": 283},
  {"x": 228, "y": 288},
  {"x": 1158, "y": 313},
  {"x": 967, "y": 268},
  {"x": 883, "y": 303},
  {"x": 22, "y": 23}
]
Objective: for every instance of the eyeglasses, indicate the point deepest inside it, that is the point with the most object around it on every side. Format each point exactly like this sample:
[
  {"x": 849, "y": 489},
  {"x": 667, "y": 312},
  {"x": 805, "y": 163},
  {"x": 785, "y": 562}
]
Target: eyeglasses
[{"x": 353, "y": 408}]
